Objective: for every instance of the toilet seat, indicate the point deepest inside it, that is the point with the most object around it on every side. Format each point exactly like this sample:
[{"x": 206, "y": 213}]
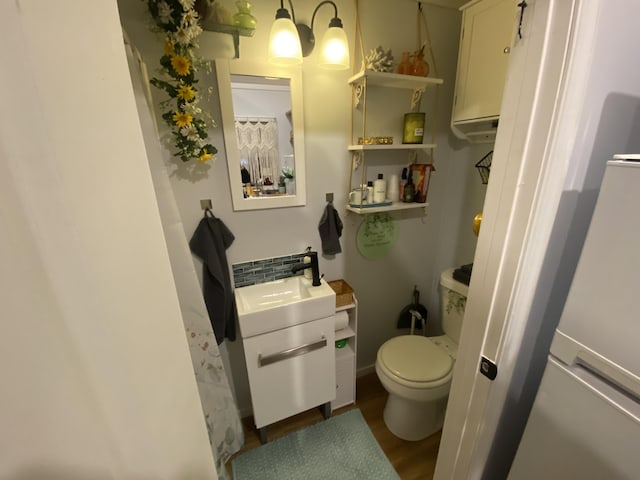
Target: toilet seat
[{"x": 415, "y": 361}]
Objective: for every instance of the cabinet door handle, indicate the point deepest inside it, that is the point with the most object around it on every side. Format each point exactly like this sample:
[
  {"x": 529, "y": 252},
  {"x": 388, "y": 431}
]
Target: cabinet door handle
[{"x": 291, "y": 352}]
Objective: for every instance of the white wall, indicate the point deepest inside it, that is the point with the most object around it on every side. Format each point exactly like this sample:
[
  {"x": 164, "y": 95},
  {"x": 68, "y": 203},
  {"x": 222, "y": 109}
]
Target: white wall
[
  {"x": 97, "y": 380},
  {"x": 426, "y": 245}
]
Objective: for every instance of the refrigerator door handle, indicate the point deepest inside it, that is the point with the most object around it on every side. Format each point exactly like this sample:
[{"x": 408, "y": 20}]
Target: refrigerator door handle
[{"x": 611, "y": 373}]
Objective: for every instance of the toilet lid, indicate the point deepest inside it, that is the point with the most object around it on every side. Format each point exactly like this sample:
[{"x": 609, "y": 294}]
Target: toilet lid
[{"x": 415, "y": 358}]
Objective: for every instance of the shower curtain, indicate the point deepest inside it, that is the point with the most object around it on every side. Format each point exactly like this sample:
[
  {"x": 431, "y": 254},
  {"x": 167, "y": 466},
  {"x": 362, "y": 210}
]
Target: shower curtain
[
  {"x": 220, "y": 411},
  {"x": 258, "y": 146}
]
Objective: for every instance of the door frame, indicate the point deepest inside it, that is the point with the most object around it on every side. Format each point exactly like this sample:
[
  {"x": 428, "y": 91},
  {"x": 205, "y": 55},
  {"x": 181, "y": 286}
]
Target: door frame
[{"x": 563, "y": 117}]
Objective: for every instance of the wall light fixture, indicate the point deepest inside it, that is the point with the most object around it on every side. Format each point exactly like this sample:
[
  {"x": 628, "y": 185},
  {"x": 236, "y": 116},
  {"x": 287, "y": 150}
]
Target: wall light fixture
[{"x": 289, "y": 41}]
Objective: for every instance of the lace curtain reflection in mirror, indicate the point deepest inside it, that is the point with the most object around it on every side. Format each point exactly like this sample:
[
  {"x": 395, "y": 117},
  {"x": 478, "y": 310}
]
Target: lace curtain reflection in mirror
[
  {"x": 261, "y": 115},
  {"x": 260, "y": 106}
]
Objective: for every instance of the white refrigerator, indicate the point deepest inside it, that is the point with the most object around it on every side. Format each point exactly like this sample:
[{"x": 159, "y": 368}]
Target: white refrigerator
[{"x": 585, "y": 421}]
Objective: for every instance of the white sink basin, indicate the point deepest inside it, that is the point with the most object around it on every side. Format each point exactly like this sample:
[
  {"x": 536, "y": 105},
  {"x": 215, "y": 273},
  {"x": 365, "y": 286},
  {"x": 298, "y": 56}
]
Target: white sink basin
[{"x": 270, "y": 306}]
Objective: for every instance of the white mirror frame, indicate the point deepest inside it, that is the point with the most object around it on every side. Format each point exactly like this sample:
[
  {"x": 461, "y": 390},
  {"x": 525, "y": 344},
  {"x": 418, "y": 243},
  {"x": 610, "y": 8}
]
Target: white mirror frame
[{"x": 224, "y": 69}]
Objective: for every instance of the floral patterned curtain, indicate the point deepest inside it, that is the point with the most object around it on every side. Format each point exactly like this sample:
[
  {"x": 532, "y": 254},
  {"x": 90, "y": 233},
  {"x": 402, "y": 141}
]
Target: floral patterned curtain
[{"x": 258, "y": 146}]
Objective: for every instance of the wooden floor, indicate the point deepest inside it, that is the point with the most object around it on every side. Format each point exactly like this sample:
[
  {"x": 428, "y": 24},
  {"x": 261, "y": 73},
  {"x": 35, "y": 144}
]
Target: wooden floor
[{"x": 412, "y": 460}]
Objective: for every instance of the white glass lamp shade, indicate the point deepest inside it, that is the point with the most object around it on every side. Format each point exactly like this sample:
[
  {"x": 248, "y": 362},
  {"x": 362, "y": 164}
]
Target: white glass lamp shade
[
  {"x": 284, "y": 43},
  {"x": 334, "y": 49}
]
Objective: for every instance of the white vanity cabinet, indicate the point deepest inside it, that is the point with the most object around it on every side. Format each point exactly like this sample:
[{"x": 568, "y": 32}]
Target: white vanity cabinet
[
  {"x": 486, "y": 38},
  {"x": 345, "y": 358},
  {"x": 290, "y": 370}
]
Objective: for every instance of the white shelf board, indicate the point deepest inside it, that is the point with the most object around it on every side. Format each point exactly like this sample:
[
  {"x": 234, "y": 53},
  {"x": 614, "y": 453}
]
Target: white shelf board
[
  {"x": 395, "y": 80},
  {"x": 397, "y": 146},
  {"x": 396, "y": 206},
  {"x": 346, "y": 332},
  {"x": 345, "y": 307}
]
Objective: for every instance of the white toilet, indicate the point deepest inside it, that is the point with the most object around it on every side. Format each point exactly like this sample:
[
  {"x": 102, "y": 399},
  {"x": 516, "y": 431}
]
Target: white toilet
[{"x": 417, "y": 370}]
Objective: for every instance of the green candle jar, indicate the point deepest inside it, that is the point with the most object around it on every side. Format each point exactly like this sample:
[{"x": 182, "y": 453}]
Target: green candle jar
[{"x": 413, "y": 127}]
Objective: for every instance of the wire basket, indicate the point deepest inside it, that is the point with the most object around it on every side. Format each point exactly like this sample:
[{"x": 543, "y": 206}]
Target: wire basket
[
  {"x": 484, "y": 167},
  {"x": 344, "y": 292}
]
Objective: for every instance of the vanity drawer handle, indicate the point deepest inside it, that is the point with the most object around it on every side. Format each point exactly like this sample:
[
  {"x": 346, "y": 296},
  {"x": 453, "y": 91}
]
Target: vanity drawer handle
[{"x": 291, "y": 352}]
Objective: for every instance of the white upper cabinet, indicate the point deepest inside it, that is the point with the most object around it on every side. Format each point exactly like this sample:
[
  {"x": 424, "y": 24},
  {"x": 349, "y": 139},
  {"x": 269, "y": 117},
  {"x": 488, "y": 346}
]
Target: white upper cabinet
[{"x": 485, "y": 43}]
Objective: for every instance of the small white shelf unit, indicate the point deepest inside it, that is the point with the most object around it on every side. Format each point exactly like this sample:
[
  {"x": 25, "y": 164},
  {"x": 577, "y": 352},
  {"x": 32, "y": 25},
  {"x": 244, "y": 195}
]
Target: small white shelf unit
[
  {"x": 346, "y": 358},
  {"x": 359, "y": 83}
]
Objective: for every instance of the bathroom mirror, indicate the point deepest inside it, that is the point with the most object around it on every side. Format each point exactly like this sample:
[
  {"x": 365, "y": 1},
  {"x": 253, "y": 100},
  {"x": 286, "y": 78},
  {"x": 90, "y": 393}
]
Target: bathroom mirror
[{"x": 262, "y": 122}]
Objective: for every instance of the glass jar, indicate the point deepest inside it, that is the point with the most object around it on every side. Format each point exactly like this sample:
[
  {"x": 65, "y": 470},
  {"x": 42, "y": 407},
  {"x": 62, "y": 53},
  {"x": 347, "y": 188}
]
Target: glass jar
[
  {"x": 404, "y": 67},
  {"x": 420, "y": 66},
  {"x": 243, "y": 18}
]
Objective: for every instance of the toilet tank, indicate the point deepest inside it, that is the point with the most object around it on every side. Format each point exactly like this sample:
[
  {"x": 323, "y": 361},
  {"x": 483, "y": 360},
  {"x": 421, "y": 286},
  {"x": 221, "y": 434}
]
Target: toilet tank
[{"x": 453, "y": 300}]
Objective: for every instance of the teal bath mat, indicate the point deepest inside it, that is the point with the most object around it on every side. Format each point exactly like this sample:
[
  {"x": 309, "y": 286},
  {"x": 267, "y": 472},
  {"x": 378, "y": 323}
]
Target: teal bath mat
[{"x": 341, "y": 447}]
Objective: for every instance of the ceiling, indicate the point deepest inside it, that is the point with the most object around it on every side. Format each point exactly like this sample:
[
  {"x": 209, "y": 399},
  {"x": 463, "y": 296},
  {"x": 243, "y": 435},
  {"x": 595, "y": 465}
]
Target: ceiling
[{"x": 456, "y": 4}]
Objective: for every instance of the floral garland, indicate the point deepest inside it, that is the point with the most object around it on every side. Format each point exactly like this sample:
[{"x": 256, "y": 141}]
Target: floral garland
[{"x": 178, "y": 20}]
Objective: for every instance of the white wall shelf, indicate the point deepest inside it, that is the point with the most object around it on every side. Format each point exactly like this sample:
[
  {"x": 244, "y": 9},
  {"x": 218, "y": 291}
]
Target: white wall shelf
[
  {"x": 394, "y": 80},
  {"x": 395, "y": 146},
  {"x": 360, "y": 95},
  {"x": 396, "y": 206}
]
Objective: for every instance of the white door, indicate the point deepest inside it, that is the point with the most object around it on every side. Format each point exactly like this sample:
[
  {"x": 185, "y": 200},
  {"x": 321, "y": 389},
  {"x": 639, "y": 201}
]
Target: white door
[{"x": 563, "y": 116}]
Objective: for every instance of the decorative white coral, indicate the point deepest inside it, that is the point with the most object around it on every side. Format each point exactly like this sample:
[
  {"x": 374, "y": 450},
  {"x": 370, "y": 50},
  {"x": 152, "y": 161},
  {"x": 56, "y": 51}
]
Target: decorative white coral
[{"x": 379, "y": 60}]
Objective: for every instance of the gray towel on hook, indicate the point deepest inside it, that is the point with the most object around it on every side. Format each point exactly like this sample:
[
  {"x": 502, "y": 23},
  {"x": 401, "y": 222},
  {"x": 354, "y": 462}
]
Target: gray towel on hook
[
  {"x": 330, "y": 229},
  {"x": 210, "y": 242}
]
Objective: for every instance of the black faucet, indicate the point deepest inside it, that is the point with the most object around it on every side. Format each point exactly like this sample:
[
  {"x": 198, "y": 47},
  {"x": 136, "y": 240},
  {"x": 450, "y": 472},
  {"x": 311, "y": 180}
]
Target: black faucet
[{"x": 315, "y": 269}]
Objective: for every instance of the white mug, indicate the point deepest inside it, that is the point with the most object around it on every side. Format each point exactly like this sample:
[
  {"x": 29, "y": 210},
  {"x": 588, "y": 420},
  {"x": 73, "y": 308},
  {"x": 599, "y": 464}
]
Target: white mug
[{"x": 357, "y": 196}]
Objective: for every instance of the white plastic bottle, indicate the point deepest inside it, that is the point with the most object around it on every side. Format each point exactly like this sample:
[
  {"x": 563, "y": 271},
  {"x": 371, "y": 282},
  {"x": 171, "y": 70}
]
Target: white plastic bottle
[
  {"x": 393, "y": 189},
  {"x": 379, "y": 189},
  {"x": 370, "y": 191},
  {"x": 307, "y": 271}
]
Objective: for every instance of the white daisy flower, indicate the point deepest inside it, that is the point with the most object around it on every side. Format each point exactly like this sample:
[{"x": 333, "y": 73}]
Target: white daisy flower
[
  {"x": 187, "y": 4},
  {"x": 186, "y": 33},
  {"x": 164, "y": 12},
  {"x": 189, "y": 132},
  {"x": 182, "y": 36},
  {"x": 190, "y": 17},
  {"x": 194, "y": 30}
]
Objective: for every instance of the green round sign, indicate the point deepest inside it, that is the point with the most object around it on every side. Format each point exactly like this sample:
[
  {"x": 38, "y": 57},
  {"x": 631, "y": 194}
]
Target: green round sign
[{"x": 377, "y": 235}]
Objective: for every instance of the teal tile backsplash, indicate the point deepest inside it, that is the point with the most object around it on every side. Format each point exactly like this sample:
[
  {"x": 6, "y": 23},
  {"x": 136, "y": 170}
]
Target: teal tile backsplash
[{"x": 265, "y": 270}]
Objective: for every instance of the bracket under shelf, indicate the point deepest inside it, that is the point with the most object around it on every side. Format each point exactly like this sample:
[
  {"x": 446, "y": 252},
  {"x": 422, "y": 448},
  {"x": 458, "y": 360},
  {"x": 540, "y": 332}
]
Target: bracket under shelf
[{"x": 234, "y": 31}]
